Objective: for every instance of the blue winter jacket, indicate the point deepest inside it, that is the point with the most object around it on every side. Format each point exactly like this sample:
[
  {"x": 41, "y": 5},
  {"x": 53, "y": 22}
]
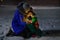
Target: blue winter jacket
[{"x": 17, "y": 24}]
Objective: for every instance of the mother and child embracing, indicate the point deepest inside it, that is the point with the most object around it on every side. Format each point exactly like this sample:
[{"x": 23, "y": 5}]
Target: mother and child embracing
[{"x": 24, "y": 22}]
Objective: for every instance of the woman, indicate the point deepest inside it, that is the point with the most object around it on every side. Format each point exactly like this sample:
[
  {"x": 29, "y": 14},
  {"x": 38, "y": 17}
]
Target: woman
[{"x": 18, "y": 24}]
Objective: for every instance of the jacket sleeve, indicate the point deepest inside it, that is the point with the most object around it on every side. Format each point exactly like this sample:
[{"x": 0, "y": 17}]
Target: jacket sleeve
[{"x": 17, "y": 24}]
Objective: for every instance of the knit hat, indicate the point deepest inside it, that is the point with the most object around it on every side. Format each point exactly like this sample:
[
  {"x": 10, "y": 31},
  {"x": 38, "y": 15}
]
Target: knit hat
[{"x": 22, "y": 6}]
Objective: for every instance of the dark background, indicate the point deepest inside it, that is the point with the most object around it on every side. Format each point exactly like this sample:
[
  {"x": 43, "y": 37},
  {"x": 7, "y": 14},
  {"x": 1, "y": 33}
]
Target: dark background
[{"x": 33, "y": 2}]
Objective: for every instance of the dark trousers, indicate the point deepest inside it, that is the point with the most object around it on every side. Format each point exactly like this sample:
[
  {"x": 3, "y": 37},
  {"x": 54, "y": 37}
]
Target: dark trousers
[{"x": 25, "y": 33}]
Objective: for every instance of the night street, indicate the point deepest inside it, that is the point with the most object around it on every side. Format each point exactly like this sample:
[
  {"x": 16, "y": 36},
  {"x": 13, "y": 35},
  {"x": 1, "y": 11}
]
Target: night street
[{"x": 48, "y": 18}]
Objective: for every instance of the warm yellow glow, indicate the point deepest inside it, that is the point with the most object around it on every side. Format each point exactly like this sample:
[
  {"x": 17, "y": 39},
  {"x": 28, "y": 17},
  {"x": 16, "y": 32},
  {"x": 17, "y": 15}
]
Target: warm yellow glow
[
  {"x": 27, "y": 15},
  {"x": 30, "y": 14}
]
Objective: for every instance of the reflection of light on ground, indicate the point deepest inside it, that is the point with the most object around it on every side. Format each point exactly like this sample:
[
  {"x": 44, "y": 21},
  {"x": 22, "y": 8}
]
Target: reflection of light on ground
[{"x": 41, "y": 7}]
